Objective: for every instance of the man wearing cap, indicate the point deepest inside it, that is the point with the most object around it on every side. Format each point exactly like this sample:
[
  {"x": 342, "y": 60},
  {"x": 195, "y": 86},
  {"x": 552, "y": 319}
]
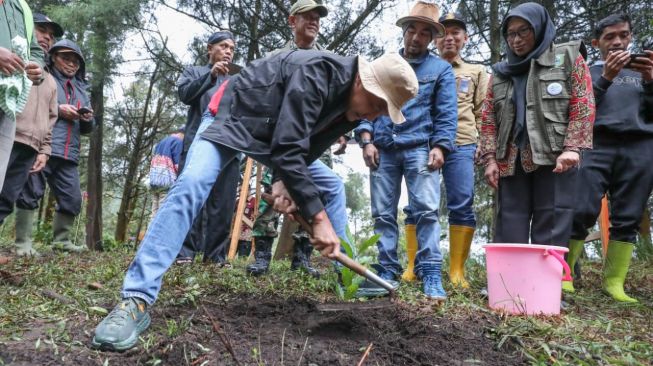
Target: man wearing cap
[
  {"x": 31, "y": 148},
  {"x": 196, "y": 86},
  {"x": 74, "y": 118},
  {"x": 414, "y": 150},
  {"x": 21, "y": 65},
  {"x": 304, "y": 20},
  {"x": 458, "y": 169},
  {"x": 283, "y": 111}
]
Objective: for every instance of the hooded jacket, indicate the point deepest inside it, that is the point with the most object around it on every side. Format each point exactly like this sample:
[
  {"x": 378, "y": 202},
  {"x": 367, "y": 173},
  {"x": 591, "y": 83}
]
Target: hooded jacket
[
  {"x": 284, "y": 111},
  {"x": 66, "y": 134}
]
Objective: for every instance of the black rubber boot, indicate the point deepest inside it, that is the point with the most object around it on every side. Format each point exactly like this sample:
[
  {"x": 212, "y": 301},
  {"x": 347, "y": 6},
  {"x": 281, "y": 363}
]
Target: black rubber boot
[
  {"x": 244, "y": 248},
  {"x": 301, "y": 258},
  {"x": 262, "y": 256}
]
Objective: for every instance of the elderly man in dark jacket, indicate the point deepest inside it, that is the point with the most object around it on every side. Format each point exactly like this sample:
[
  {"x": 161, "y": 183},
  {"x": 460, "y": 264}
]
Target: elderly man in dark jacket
[
  {"x": 68, "y": 68},
  {"x": 210, "y": 232},
  {"x": 282, "y": 111}
]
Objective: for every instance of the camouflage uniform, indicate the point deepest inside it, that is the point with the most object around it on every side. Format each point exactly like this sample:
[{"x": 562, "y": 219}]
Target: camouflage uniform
[{"x": 268, "y": 219}]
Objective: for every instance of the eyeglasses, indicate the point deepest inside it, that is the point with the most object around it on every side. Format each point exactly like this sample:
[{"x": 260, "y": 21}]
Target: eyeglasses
[
  {"x": 69, "y": 58},
  {"x": 522, "y": 33}
]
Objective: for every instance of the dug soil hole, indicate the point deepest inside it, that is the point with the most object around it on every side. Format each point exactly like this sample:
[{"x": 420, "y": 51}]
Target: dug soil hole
[{"x": 267, "y": 331}]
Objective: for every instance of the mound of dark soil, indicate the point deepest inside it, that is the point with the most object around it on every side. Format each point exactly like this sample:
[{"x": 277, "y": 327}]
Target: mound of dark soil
[{"x": 275, "y": 331}]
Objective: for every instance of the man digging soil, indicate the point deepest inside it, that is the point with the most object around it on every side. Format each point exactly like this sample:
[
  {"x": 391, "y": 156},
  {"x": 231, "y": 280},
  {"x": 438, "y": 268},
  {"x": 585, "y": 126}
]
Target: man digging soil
[{"x": 282, "y": 111}]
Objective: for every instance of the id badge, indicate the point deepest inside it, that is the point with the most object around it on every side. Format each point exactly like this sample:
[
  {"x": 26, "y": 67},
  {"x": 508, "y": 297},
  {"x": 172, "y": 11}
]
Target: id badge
[{"x": 463, "y": 86}]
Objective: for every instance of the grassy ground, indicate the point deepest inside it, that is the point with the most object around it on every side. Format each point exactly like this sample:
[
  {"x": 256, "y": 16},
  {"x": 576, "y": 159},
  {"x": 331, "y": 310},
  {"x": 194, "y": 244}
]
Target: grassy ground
[{"x": 42, "y": 297}]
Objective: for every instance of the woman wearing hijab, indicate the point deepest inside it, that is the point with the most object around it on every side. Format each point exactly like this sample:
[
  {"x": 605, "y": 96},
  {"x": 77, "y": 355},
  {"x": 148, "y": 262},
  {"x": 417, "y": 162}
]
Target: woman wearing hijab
[{"x": 537, "y": 118}]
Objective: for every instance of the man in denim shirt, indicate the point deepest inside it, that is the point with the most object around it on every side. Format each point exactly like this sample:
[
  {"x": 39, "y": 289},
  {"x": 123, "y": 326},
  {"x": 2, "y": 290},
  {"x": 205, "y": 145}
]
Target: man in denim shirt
[{"x": 414, "y": 150}]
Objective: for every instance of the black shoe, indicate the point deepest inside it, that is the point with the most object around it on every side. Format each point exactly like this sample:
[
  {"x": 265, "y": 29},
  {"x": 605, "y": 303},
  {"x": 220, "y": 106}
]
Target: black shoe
[
  {"x": 262, "y": 257},
  {"x": 301, "y": 258},
  {"x": 244, "y": 248}
]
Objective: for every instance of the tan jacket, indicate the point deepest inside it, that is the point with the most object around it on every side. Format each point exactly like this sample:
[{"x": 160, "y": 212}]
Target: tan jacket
[
  {"x": 34, "y": 124},
  {"x": 471, "y": 84}
]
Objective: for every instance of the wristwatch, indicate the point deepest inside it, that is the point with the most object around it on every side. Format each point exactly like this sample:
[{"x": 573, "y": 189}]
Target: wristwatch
[{"x": 364, "y": 142}]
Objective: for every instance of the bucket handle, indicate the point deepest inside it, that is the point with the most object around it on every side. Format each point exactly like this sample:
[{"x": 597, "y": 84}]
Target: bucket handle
[{"x": 565, "y": 266}]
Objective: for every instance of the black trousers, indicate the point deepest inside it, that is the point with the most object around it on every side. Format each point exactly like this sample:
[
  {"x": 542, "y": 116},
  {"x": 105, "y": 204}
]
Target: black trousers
[
  {"x": 21, "y": 159},
  {"x": 536, "y": 205},
  {"x": 63, "y": 178},
  {"x": 211, "y": 230},
  {"x": 621, "y": 166}
]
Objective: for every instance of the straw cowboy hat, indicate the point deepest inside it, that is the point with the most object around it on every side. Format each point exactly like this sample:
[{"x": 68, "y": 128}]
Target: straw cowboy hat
[{"x": 425, "y": 11}]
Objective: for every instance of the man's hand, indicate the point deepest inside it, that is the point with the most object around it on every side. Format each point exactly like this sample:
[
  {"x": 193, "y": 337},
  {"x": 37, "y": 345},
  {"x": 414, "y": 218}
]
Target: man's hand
[
  {"x": 615, "y": 61},
  {"x": 324, "y": 238},
  {"x": 566, "y": 161},
  {"x": 644, "y": 66},
  {"x": 492, "y": 173},
  {"x": 10, "y": 62},
  {"x": 342, "y": 141},
  {"x": 34, "y": 72},
  {"x": 68, "y": 112},
  {"x": 371, "y": 156},
  {"x": 282, "y": 201},
  {"x": 436, "y": 158},
  {"x": 39, "y": 163},
  {"x": 219, "y": 68}
]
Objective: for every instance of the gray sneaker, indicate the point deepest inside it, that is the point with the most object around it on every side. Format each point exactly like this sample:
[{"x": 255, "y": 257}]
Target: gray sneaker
[
  {"x": 371, "y": 289},
  {"x": 119, "y": 331}
]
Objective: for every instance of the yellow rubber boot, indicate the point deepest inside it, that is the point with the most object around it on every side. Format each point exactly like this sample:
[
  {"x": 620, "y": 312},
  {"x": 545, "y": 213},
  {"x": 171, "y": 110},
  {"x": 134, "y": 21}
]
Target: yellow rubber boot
[
  {"x": 460, "y": 239},
  {"x": 411, "y": 252}
]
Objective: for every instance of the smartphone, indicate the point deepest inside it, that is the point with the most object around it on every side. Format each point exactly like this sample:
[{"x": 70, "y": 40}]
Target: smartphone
[
  {"x": 84, "y": 110},
  {"x": 234, "y": 68},
  {"x": 633, "y": 56}
]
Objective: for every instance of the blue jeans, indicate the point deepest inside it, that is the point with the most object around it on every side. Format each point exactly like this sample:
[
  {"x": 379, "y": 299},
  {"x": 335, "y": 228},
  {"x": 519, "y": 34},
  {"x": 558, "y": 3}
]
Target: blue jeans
[
  {"x": 167, "y": 231},
  {"x": 458, "y": 175},
  {"x": 423, "y": 198}
]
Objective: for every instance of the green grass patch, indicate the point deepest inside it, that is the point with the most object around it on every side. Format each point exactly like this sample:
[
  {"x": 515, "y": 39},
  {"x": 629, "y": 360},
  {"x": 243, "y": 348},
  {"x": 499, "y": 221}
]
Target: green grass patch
[{"x": 53, "y": 290}]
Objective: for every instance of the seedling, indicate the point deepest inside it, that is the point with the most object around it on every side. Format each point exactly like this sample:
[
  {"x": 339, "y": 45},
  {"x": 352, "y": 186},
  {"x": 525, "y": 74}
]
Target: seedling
[{"x": 361, "y": 252}]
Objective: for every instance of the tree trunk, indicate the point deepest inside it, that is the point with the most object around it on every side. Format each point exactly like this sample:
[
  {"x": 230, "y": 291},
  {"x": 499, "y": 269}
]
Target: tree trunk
[
  {"x": 495, "y": 32},
  {"x": 128, "y": 196},
  {"x": 94, "y": 182}
]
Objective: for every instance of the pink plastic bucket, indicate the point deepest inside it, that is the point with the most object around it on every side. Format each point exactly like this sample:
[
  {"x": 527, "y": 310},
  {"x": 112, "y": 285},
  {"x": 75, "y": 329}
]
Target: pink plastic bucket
[{"x": 524, "y": 278}]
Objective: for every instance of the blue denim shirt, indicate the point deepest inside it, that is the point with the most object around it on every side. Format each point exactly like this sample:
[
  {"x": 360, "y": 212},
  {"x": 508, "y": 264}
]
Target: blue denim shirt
[{"x": 431, "y": 117}]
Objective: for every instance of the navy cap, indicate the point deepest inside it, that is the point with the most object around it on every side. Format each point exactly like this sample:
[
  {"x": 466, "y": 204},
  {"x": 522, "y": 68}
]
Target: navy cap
[
  {"x": 453, "y": 19},
  {"x": 218, "y": 37},
  {"x": 43, "y": 19}
]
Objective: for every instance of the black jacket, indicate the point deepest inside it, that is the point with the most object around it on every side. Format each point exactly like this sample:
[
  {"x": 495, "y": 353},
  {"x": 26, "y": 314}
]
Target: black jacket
[
  {"x": 285, "y": 111},
  {"x": 66, "y": 140},
  {"x": 624, "y": 105},
  {"x": 195, "y": 88}
]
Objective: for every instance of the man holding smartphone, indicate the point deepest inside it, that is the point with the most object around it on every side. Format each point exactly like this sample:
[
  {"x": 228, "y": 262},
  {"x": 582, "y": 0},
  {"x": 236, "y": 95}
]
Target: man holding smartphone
[
  {"x": 619, "y": 163},
  {"x": 74, "y": 118}
]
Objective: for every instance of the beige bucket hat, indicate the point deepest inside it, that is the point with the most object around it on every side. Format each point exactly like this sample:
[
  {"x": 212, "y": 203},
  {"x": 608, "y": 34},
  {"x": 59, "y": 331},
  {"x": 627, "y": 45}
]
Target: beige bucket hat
[
  {"x": 425, "y": 11},
  {"x": 302, "y": 6},
  {"x": 390, "y": 78}
]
